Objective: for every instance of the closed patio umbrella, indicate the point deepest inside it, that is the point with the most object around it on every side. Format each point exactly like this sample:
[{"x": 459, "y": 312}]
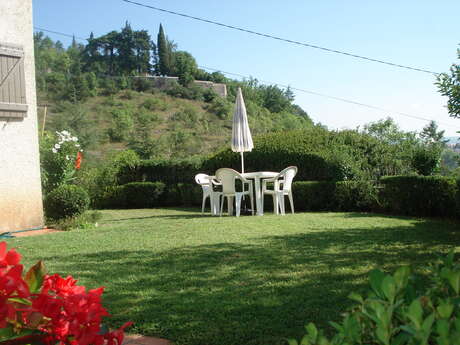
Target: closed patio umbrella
[{"x": 241, "y": 135}]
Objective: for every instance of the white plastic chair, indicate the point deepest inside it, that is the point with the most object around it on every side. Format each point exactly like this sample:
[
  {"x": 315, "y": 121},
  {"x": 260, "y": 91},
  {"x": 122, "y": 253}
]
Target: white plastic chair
[
  {"x": 206, "y": 182},
  {"x": 228, "y": 179},
  {"x": 282, "y": 186}
]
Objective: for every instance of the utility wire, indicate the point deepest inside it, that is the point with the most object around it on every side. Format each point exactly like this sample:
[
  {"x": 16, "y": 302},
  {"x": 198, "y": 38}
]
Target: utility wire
[
  {"x": 340, "y": 99},
  {"x": 59, "y": 33},
  {"x": 309, "y": 45}
]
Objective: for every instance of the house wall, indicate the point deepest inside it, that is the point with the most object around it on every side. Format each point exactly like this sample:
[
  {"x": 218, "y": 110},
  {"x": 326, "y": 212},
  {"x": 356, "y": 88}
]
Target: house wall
[{"x": 20, "y": 188}]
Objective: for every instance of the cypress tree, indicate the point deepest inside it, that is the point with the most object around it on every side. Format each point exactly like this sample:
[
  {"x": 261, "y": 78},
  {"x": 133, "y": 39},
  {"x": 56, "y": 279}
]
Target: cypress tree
[{"x": 163, "y": 53}]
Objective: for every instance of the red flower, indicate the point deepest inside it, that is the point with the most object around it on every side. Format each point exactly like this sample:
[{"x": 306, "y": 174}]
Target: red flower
[
  {"x": 78, "y": 160},
  {"x": 63, "y": 311}
]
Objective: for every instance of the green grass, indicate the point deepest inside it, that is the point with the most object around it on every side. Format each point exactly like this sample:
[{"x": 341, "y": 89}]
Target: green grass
[{"x": 201, "y": 280}]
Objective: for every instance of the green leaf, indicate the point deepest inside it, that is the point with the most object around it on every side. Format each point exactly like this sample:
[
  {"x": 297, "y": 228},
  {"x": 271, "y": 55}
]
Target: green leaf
[
  {"x": 428, "y": 323},
  {"x": 34, "y": 278},
  {"x": 292, "y": 342},
  {"x": 20, "y": 301},
  {"x": 415, "y": 313},
  {"x": 445, "y": 309},
  {"x": 389, "y": 288},
  {"x": 442, "y": 327},
  {"x": 305, "y": 340},
  {"x": 356, "y": 297},
  {"x": 454, "y": 280},
  {"x": 401, "y": 277},
  {"x": 382, "y": 335},
  {"x": 312, "y": 331},
  {"x": 376, "y": 278}
]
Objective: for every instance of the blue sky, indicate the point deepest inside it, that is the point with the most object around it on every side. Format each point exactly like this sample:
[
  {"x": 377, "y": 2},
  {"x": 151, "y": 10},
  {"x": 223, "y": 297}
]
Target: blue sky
[{"x": 419, "y": 33}]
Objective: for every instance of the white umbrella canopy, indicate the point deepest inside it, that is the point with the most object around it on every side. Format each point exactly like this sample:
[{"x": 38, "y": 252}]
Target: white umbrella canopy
[{"x": 241, "y": 135}]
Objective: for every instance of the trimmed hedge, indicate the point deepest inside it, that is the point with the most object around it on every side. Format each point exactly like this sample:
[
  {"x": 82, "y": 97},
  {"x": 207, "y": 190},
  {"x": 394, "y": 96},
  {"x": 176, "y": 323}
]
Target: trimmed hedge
[
  {"x": 424, "y": 196},
  {"x": 313, "y": 195},
  {"x": 166, "y": 171},
  {"x": 320, "y": 155},
  {"x": 66, "y": 201},
  {"x": 135, "y": 195}
]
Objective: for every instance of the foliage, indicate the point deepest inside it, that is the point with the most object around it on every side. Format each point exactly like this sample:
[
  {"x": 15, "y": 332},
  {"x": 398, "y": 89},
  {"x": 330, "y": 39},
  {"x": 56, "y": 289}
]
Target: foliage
[
  {"x": 220, "y": 107},
  {"x": 136, "y": 195},
  {"x": 425, "y": 196},
  {"x": 75, "y": 118},
  {"x": 192, "y": 92},
  {"x": 185, "y": 67},
  {"x": 141, "y": 140},
  {"x": 318, "y": 153},
  {"x": 356, "y": 196},
  {"x": 426, "y": 160},
  {"x": 154, "y": 104},
  {"x": 86, "y": 220},
  {"x": 48, "y": 308},
  {"x": 102, "y": 180},
  {"x": 314, "y": 195},
  {"x": 167, "y": 171},
  {"x": 431, "y": 135},
  {"x": 122, "y": 124},
  {"x": 397, "y": 310},
  {"x": 66, "y": 201},
  {"x": 449, "y": 86},
  {"x": 58, "y": 155},
  {"x": 165, "y": 53}
]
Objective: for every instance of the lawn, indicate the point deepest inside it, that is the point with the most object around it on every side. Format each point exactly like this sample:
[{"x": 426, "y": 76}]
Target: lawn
[{"x": 201, "y": 280}]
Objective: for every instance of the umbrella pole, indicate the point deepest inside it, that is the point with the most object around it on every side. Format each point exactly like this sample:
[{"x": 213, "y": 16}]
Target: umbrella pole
[{"x": 242, "y": 163}]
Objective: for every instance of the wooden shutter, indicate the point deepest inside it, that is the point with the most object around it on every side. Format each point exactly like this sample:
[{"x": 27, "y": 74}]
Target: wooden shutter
[{"x": 12, "y": 81}]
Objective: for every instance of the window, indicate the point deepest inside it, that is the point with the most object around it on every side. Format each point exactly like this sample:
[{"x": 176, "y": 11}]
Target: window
[{"x": 12, "y": 82}]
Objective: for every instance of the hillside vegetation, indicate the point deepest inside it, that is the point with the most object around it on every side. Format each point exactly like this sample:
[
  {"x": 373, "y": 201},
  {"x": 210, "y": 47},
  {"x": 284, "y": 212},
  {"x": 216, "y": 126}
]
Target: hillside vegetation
[{"x": 98, "y": 92}]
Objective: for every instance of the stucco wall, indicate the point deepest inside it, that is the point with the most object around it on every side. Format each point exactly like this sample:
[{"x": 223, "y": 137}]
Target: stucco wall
[{"x": 20, "y": 189}]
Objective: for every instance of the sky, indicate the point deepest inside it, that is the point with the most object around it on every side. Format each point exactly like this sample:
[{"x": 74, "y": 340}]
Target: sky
[{"x": 417, "y": 33}]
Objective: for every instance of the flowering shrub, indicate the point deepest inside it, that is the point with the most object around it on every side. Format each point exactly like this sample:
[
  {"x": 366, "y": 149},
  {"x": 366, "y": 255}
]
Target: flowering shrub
[
  {"x": 47, "y": 309},
  {"x": 60, "y": 156}
]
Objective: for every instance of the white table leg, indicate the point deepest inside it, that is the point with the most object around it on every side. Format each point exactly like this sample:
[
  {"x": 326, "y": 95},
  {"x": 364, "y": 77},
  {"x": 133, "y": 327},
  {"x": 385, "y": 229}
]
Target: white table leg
[{"x": 260, "y": 211}]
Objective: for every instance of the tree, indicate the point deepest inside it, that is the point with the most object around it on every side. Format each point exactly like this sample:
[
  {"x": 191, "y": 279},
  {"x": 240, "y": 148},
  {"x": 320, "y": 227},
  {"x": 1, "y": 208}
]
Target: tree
[
  {"x": 449, "y": 86},
  {"x": 431, "y": 135},
  {"x": 185, "y": 67},
  {"x": 164, "y": 59}
]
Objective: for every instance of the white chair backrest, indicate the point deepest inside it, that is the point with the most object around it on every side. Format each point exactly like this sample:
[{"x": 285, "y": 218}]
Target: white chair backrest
[
  {"x": 288, "y": 175},
  {"x": 227, "y": 177},
  {"x": 202, "y": 179}
]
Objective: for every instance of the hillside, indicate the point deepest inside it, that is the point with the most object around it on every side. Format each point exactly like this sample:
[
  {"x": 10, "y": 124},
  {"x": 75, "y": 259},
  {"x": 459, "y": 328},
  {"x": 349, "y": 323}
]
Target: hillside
[{"x": 156, "y": 124}]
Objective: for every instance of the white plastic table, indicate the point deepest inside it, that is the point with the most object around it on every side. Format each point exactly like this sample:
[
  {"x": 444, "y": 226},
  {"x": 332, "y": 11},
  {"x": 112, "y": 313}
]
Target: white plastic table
[{"x": 257, "y": 176}]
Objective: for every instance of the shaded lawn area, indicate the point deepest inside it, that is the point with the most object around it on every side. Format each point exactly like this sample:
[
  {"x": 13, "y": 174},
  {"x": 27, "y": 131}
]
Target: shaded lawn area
[{"x": 201, "y": 280}]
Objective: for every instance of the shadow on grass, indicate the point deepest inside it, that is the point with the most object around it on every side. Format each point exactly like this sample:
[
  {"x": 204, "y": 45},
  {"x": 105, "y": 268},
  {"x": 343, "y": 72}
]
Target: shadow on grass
[{"x": 253, "y": 293}]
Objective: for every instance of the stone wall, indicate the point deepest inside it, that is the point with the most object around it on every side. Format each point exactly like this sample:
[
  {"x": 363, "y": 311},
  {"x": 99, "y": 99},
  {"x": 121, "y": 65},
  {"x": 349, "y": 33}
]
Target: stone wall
[
  {"x": 164, "y": 82},
  {"x": 20, "y": 188}
]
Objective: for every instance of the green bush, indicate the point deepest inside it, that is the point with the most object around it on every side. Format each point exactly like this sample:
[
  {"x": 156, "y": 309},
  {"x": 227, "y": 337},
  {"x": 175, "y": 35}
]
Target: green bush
[
  {"x": 122, "y": 124},
  {"x": 66, "y": 201},
  {"x": 320, "y": 155},
  {"x": 193, "y": 92},
  {"x": 424, "y": 196},
  {"x": 398, "y": 310},
  {"x": 313, "y": 195},
  {"x": 154, "y": 104},
  {"x": 220, "y": 107},
  {"x": 183, "y": 194},
  {"x": 136, "y": 195},
  {"x": 167, "y": 171},
  {"x": 426, "y": 160},
  {"x": 356, "y": 196}
]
